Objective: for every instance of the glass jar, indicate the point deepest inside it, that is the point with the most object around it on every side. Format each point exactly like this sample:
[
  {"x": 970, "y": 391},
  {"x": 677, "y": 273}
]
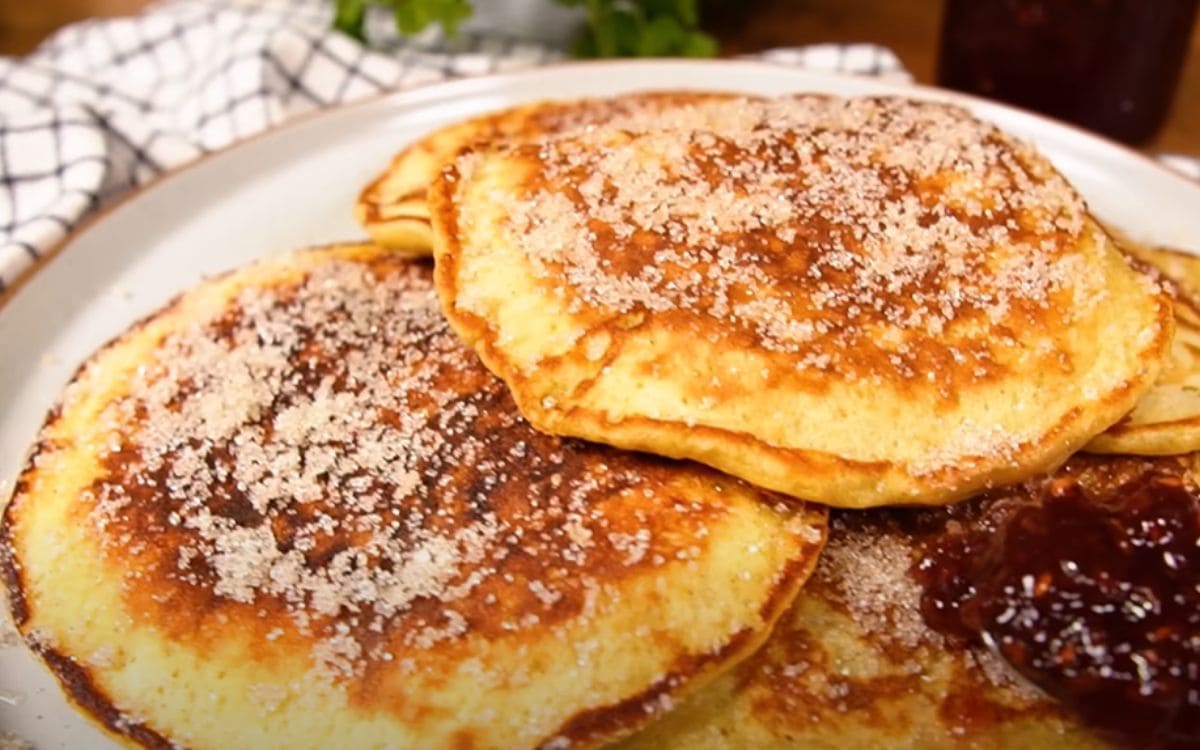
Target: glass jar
[{"x": 1108, "y": 65}]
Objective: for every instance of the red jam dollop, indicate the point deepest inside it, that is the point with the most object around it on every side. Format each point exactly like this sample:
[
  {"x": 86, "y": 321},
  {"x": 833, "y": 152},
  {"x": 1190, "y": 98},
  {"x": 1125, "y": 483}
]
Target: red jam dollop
[{"x": 1095, "y": 599}]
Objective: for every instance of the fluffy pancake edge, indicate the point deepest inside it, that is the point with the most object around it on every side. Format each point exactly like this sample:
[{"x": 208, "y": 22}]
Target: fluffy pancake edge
[
  {"x": 1173, "y": 425},
  {"x": 588, "y": 728},
  {"x": 822, "y": 475}
]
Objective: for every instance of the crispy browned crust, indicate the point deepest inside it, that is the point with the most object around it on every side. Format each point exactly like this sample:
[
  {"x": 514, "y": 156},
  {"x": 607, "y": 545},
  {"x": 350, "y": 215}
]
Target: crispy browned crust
[
  {"x": 10, "y": 570},
  {"x": 1124, "y": 428},
  {"x": 598, "y": 726},
  {"x": 369, "y": 206},
  {"x": 643, "y": 433},
  {"x": 522, "y": 122},
  {"x": 75, "y": 681},
  {"x": 854, "y": 664},
  {"x": 587, "y": 729},
  {"x": 97, "y": 705},
  {"x": 1174, "y": 436}
]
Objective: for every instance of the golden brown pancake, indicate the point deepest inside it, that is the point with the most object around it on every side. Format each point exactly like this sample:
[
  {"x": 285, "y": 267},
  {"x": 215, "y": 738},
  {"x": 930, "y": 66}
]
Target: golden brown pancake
[
  {"x": 857, "y": 301},
  {"x": 855, "y": 664},
  {"x": 291, "y": 510},
  {"x": 1180, "y": 266},
  {"x": 1166, "y": 420},
  {"x": 392, "y": 207}
]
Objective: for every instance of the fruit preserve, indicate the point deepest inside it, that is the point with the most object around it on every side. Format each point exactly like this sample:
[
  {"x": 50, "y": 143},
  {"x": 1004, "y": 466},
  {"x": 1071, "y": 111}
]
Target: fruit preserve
[
  {"x": 1110, "y": 65},
  {"x": 1094, "y": 596}
]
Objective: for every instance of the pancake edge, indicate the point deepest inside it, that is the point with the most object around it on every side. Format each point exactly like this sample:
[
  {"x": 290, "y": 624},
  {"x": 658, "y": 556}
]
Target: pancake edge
[
  {"x": 590, "y": 728},
  {"x": 883, "y": 482}
]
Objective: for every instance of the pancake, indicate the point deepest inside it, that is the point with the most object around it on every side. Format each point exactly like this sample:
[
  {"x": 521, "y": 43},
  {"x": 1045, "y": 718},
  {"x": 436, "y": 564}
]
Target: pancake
[
  {"x": 1166, "y": 420},
  {"x": 856, "y": 301},
  {"x": 392, "y": 208},
  {"x": 1179, "y": 266},
  {"x": 291, "y": 510},
  {"x": 854, "y": 664}
]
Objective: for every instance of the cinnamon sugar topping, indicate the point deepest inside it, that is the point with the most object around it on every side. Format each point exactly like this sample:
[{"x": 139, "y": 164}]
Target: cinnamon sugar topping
[
  {"x": 330, "y": 450},
  {"x": 866, "y": 568},
  {"x": 816, "y": 224},
  {"x": 869, "y": 569}
]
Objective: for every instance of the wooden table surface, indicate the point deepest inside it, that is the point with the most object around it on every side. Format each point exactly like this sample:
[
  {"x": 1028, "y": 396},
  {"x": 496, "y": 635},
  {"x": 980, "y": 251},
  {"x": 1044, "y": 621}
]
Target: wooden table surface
[{"x": 909, "y": 27}]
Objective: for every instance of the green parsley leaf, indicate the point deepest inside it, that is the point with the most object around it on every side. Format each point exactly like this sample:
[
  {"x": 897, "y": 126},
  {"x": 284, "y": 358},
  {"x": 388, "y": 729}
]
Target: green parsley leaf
[
  {"x": 616, "y": 28},
  {"x": 642, "y": 28},
  {"x": 412, "y": 16},
  {"x": 348, "y": 17}
]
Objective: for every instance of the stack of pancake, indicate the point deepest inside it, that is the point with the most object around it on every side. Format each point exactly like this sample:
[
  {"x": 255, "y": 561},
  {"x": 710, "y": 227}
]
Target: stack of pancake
[{"x": 567, "y": 483}]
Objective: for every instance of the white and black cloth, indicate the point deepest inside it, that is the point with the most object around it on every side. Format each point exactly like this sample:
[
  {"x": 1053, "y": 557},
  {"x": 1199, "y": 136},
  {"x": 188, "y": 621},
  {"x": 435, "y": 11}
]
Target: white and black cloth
[{"x": 105, "y": 105}]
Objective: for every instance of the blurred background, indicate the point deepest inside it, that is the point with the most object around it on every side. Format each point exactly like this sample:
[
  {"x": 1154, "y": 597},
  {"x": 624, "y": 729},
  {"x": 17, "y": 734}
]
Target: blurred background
[{"x": 910, "y": 28}]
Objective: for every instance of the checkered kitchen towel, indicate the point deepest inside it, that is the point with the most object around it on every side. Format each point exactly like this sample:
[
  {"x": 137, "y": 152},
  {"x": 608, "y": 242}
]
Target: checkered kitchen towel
[{"x": 104, "y": 106}]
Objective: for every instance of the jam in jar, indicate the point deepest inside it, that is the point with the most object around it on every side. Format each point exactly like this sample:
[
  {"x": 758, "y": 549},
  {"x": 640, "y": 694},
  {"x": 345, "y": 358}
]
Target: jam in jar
[{"x": 1109, "y": 65}]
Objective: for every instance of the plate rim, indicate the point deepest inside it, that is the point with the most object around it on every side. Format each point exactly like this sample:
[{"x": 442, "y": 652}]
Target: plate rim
[
  {"x": 466, "y": 86},
  {"x": 433, "y": 93}
]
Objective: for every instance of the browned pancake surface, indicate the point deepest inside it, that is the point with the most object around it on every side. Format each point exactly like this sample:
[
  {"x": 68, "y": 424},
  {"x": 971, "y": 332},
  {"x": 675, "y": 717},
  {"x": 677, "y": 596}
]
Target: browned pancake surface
[
  {"x": 855, "y": 664},
  {"x": 392, "y": 207},
  {"x": 1166, "y": 421},
  {"x": 300, "y": 478},
  {"x": 760, "y": 284}
]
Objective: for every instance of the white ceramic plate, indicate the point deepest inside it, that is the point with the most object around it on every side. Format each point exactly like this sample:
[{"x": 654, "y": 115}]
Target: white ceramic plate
[{"x": 295, "y": 187}]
